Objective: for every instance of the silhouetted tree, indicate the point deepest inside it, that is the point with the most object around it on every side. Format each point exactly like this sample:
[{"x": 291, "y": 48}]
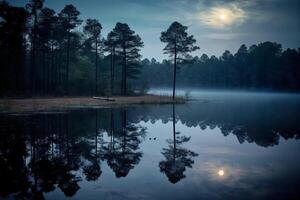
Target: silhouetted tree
[
  {"x": 34, "y": 6},
  {"x": 179, "y": 45},
  {"x": 93, "y": 171},
  {"x": 93, "y": 29},
  {"x": 128, "y": 47},
  {"x": 12, "y": 48},
  {"x": 177, "y": 157},
  {"x": 123, "y": 154},
  {"x": 111, "y": 43},
  {"x": 69, "y": 20},
  {"x": 46, "y": 40}
]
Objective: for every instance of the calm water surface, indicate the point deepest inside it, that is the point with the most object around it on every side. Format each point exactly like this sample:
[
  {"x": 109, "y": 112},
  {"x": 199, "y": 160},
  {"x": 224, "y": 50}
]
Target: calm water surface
[{"x": 229, "y": 146}]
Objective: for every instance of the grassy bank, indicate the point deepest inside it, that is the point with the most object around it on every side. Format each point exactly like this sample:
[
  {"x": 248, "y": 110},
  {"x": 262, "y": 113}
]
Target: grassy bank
[{"x": 63, "y": 103}]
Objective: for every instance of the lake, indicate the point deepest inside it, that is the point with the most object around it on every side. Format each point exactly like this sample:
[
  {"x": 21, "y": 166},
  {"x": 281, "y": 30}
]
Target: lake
[{"x": 220, "y": 145}]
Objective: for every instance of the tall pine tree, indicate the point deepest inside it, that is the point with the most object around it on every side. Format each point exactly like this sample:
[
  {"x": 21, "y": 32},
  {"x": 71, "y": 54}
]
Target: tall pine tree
[
  {"x": 128, "y": 47},
  {"x": 179, "y": 45}
]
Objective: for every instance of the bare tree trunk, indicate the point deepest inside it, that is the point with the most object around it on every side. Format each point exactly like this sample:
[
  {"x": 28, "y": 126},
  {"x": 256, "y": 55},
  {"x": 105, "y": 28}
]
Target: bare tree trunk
[
  {"x": 112, "y": 71},
  {"x": 68, "y": 64},
  {"x": 96, "y": 69},
  {"x": 124, "y": 71},
  {"x": 33, "y": 50},
  {"x": 52, "y": 70},
  {"x": 175, "y": 68},
  {"x": 125, "y": 76}
]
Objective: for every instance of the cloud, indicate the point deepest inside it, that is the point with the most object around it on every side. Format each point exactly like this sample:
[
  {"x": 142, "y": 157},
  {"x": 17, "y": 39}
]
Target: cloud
[
  {"x": 222, "y": 36},
  {"x": 223, "y": 17}
]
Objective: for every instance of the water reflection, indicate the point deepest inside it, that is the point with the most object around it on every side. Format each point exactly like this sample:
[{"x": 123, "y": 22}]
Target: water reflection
[
  {"x": 40, "y": 153},
  {"x": 61, "y": 152},
  {"x": 122, "y": 154},
  {"x": 177, "y": 158}
]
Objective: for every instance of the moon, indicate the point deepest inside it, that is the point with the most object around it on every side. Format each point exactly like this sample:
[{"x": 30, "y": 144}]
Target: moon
[
  {"x": 221, "y": 172},
  {"x": 223, "y": 17}
]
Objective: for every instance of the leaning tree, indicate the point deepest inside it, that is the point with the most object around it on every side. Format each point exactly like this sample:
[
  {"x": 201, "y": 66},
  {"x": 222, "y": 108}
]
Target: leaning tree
[{"x": 179, "y": 45}]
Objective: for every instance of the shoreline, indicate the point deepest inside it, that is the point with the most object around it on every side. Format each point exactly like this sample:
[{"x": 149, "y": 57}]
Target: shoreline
[{"x": 40, "y": 104}]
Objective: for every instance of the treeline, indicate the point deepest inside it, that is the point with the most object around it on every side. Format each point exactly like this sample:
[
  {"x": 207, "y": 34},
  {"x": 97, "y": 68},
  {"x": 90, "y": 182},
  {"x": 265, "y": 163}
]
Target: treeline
[
  {"x": 264, "y": 66},
  {"x": 44, "y": 53}
]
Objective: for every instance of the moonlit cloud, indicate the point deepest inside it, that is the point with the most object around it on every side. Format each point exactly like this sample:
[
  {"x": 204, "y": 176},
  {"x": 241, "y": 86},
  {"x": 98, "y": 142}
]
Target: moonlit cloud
[{"x": 223, "y": 17}]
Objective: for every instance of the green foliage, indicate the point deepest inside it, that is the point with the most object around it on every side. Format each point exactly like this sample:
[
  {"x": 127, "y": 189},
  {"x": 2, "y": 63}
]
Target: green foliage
[{"x": 82, "y": 76}]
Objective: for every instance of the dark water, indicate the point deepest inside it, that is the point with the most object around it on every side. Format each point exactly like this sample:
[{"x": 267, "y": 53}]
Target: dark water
[{"x": 231, "y": 146}]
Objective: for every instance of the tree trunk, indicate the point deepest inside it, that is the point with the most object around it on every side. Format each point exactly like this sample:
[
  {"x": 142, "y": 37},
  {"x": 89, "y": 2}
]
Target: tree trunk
[
  {"x": 112, "y": 71},
  {"x": 96, "y": 69},
  {"x": 124, "y": 71},
  {"x": 125, "y": 75},
  {"x": 52, "y": 70},
  {"x": 68, "y": 64},
  {"x": 33, "y": 50},
  {"x": 175, "y": 68}
]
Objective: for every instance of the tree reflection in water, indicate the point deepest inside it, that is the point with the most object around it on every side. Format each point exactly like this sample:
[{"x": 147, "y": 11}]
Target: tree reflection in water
[
  {"x": 41, "y": 153},
  {"x": 93, "y": 170},
  {"x": 177, "y": 157},
  {"x": 123, "y": 153}
]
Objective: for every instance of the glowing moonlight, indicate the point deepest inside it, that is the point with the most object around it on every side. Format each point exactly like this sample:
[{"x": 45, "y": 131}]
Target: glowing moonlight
[
  {"x": 221, "y": 172},
  {"x": 221, "y": 17}
]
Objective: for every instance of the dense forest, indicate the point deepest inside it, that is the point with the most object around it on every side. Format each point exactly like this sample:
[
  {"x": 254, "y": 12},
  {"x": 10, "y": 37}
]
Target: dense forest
[
  {"x": 47, "y": 53},
  {"x": 264, "y": 66},
  {"x": 44, "y": 53}
]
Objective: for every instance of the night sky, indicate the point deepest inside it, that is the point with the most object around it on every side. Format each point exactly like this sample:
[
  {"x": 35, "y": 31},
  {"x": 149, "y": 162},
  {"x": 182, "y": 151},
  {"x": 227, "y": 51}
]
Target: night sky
[{"x": 218, "y": 25}]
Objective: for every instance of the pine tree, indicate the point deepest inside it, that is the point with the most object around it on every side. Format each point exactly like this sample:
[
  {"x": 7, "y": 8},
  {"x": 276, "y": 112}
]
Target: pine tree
[
  {"x": 128, "y": 47},
  {"x": 179, "y": 45},
  {"x": 69, "y": 20},
  {"x": 93, "y": 30}
]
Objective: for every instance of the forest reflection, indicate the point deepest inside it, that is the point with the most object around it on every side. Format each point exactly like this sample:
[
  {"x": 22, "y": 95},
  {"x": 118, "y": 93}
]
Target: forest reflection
[{"x": 40, "y": 153}]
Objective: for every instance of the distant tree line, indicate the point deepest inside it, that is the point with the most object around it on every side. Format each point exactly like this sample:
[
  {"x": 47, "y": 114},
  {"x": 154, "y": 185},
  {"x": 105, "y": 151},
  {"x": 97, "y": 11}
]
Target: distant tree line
[
  {"x": 44, "y": 53},
  {"x": 264, "y": 66}
]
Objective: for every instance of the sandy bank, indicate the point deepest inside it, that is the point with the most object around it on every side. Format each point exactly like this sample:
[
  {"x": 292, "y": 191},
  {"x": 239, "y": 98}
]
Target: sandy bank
[{"x": 61, "y": 103}]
